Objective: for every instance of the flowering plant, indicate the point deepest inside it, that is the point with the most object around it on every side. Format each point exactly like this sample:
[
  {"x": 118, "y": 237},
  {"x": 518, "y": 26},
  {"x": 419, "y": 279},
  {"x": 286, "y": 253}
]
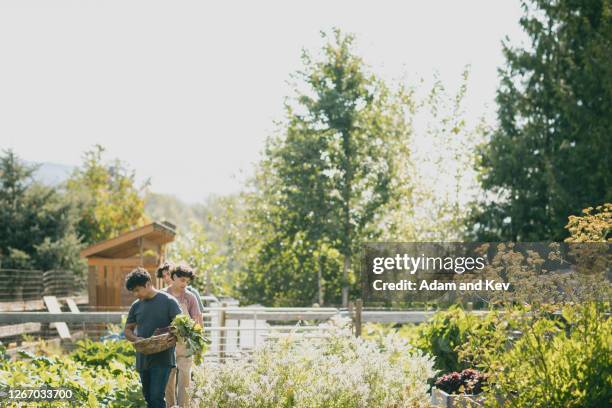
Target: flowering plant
[
  {"x": 468, "y": 381},
  {"x": 334, "y": 369}
]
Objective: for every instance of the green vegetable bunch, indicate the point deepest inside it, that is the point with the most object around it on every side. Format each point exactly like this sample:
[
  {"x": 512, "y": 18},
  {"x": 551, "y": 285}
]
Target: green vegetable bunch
[{"x": 192, "y": 334}]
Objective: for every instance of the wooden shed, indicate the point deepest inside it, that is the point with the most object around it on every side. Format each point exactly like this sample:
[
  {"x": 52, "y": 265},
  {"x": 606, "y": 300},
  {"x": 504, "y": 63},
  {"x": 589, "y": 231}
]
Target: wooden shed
[{"x": 111, "y": 260}]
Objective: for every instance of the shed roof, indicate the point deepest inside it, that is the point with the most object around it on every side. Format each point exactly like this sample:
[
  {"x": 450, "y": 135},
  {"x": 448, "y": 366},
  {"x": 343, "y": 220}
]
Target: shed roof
[{"x": 130, "y": 243}]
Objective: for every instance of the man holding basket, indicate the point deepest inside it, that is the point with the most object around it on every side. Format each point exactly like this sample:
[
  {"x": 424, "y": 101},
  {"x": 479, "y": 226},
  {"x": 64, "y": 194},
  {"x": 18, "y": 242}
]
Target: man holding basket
[{"x": 151, "y": 314}]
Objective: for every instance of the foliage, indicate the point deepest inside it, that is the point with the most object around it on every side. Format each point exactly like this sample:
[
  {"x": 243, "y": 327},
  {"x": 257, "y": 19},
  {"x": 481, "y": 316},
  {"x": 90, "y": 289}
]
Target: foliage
[
  {"x": 192, "y": 334},
  {"x": 326, "y": 180},
  {"x": 443, "y": 334},
  {"x": 595, "y": 225},
  {"x": 167, "y": 207},
  {"x": 3, "y": 355},
  {"x": 590, "y": 239},
  {"x": 458, "y": 339},
  {"x": 101, "y": 353},
  {"x": 112, "y": 384},
  {"x": 492, "y": 335},
  {"x": 378, "y": 331},
  {"x": 442, "y": 183},
  {"x": 283, "y": 272},
  {"x": 37, "y": 223},
  {"x": 536, "y": 273},
  {"x": 203, "y": 255},
  {"x": 468, "y": 381},
  {"x": 564, "y": 362},
  {"x": 207, "y": 237},
  {"x": 110, "y": 203},
  {"x": 338, "y": 371},
  {"x": 550, "y": 156},
  {"x": 531, "y": 357}
]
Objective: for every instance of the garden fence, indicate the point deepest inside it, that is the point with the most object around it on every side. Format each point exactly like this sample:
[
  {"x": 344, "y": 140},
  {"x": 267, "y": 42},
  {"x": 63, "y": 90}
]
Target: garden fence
[
  {"x": 234, "y": 331},
  {"x": 18, "y": 285}
]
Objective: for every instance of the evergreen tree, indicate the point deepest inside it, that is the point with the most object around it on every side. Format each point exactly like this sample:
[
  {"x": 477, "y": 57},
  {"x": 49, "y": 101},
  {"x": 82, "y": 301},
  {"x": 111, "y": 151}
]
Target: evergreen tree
[
  {"x": 550, "y": 156},
  {"x": 37, "y": 223}
]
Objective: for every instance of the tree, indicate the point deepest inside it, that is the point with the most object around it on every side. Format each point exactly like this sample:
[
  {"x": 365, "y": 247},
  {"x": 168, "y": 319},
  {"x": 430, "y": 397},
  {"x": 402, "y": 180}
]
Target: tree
[
  {"x": 110, "y": 202},
  {"x": 441, "y": 182},
  {"x": 203, "y": 255},
  {"x": 327, "y": 180},
  {"x": 550, "y": 156},
  {"x": 37, "y": 224}
]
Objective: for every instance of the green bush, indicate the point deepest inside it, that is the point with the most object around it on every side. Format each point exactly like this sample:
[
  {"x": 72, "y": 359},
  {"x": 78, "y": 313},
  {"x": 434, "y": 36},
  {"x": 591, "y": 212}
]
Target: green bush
[
  {"x": 491, "y": 335},
  {"x": 442, "y": 336},
  {"x": 558, "y": 362},
  {"x": 99, "y": 375},
  {"x": 534, "y": 357},
  {"x": 101, "y": 353},
  {"x": 456, "y": 338}
]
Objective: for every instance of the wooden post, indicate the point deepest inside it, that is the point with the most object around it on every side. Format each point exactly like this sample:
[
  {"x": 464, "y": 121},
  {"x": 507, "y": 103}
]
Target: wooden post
[
  {"x": 320, "y": 281},
  {"x": 358, "y": 310},
  {"x": 222, "y": 315},
  {"x": 54, "y": 307},
  {"x": 351, "y": 314},
  {"x": 345, "y": 287},
  {"x": 208, "y": 282}
]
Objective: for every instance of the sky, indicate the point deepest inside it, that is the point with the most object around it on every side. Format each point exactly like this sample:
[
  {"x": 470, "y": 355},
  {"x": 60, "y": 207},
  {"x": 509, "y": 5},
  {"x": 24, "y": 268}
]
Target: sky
[{"x": 186, "y": 92}]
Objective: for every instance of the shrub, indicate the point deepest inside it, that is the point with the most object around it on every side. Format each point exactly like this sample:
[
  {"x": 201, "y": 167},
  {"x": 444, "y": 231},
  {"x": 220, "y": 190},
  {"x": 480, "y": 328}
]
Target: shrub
[
  {"x": 492, "y": 335},
  {"x": 469, "y": 381},
  {"x": 111, "y": 384},
  {"x": 101, "y": 353},
  {"x": 458, "y": 339},
  {"x": 559, "y": 362},
  {"x": 338, "y": 371},
  {"x": 378, "y": 331},
  {"x": 443, "y": 334},
  {"x": 595, "y": 225},
  {"x": 449, "y": 383}
]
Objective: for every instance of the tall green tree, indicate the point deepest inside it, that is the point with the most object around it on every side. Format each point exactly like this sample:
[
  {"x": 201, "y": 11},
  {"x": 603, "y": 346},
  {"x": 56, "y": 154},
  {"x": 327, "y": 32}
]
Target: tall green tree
[
  {"x": 331, "y": 175},
  {"x": 550, "y": 155},
  {"x": 442, "y": 181},
  {"x": 110, "y": 202},
  {"x": 205, "y": 257},
  {"x": 37, "y": 223}
]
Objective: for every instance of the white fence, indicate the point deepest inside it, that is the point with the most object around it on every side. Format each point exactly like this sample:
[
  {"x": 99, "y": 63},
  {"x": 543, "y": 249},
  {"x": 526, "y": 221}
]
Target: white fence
[
  {"x": 234, "y": 331},
  {"x": 237, "y": 331}
]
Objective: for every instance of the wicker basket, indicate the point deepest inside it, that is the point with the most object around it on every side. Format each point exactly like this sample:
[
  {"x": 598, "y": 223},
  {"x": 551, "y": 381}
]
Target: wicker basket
[{"x": 155, "y": 344}]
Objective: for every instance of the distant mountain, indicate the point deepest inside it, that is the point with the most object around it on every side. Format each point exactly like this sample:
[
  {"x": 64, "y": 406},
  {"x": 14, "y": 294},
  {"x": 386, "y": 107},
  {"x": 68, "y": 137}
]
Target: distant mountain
[{"x": 52, "y": 174}]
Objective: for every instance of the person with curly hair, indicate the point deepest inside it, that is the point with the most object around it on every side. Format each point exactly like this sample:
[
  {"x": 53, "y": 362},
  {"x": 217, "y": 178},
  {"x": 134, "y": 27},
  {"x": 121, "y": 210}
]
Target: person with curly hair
[{"x": 153, "y": 310}]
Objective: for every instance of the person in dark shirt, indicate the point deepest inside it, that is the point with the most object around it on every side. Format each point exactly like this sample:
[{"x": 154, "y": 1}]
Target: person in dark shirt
[{"x": 152, "y": 310}]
